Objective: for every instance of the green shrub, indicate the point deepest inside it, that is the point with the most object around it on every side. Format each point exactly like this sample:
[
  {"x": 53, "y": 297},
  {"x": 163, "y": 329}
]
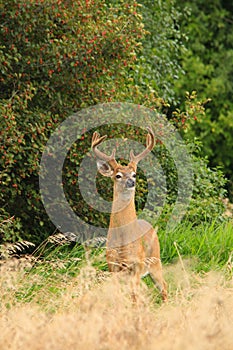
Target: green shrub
[
  {"x": 10, "y": 227},
  {"x": 57, "y": 57}
]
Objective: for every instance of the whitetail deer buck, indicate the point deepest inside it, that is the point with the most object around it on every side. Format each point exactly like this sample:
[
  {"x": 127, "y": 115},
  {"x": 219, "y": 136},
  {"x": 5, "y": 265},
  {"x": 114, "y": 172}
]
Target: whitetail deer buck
[{"x": 132, "y": 244}]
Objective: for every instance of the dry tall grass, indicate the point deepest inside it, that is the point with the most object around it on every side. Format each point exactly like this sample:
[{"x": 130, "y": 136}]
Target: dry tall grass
[{"x": 94, "y": 311}]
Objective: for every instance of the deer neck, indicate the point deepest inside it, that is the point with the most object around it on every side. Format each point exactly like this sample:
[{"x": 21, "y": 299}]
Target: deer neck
[
  {"x": 123, "y": 209},
  {"x": 124, "y": 227}
]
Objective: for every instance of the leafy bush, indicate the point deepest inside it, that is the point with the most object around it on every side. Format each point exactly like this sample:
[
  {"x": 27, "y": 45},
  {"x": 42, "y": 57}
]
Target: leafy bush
[
  {"x": 163, "y": 47},
  {"x": 57, "y": 57},
  {"x": 9, "y": 227},
  {"x": 209, "y": 190},
  {"x": 208, "y": 66},
  {"x": 74, "y": 53}
]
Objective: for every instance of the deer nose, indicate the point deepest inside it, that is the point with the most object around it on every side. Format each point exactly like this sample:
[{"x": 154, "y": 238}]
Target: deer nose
[{"x": 130, "y": 183}]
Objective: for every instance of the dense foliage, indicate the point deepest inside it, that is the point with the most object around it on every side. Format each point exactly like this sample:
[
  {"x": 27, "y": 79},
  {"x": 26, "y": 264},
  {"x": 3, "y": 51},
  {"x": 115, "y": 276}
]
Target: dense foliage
[
  {"x": 208, "y": 66},
  {"x": 57, "y": 57},
  {"x": 163, "y": 47}
]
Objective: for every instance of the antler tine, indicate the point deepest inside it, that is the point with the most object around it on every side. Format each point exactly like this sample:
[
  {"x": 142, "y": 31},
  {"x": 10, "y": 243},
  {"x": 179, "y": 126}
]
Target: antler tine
[
  {"x": 97, "y": 140},
  {"x": 150, "y": 142}
]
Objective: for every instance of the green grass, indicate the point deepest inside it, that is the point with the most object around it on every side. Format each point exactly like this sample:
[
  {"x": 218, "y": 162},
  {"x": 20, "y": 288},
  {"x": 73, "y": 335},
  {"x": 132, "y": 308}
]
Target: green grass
[
  {"x": 62, "y": 296},
  {"x": 210, "y": 244},
  {"x": 55, "y": 264}
]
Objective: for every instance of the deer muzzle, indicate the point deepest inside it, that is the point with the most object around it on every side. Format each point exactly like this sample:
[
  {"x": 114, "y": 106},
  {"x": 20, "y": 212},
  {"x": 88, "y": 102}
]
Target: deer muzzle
[{"x": 130, "y": 183}]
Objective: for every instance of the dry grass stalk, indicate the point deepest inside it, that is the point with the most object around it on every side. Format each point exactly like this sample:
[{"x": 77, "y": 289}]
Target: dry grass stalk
[{"x": 92, "y": 313}]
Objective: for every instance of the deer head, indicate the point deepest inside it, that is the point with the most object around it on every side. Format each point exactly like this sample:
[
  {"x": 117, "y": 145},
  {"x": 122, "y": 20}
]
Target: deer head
[{"x": 124, "y": 177}]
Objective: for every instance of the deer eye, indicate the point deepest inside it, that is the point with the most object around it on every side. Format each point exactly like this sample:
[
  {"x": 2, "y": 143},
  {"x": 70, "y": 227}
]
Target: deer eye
[
  {"x": 134, "y": 175},
  {"x": 118, "y": 176}
]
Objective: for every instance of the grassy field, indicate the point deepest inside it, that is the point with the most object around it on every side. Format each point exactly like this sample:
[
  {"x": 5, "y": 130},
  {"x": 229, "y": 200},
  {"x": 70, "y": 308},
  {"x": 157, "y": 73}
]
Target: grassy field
[{"x": 62, "y": 297}]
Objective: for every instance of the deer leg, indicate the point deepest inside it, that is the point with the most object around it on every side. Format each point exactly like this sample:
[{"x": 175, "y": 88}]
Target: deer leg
[
  {"x": 156, "y": 274},
  {"x": 113, "y": 260},
  {"x": 135, "y": 281}
]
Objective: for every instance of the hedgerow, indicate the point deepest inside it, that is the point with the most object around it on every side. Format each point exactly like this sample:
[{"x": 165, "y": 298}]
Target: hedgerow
[{"x": 56, "y": 58}]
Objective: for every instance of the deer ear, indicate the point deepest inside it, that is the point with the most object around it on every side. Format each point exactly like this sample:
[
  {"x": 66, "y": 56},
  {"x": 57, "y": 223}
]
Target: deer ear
[{"x": 104, "y": 168}]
